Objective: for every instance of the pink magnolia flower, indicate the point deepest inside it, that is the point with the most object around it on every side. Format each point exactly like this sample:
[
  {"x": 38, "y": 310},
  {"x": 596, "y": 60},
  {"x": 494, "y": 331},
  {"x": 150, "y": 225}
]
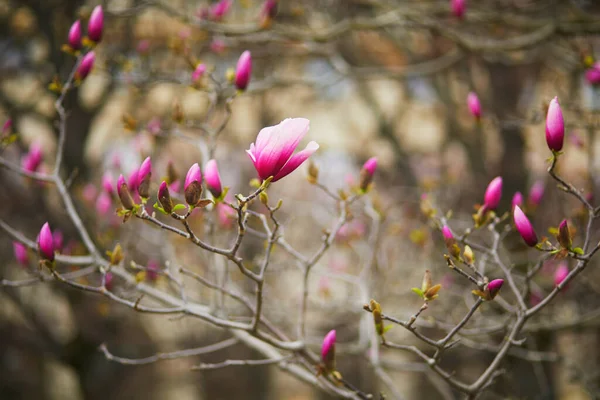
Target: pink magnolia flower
[
  {"x": 85, "y": 66},
  {"x": 272, "y": 152},
  {"x": 524, "y": 227},
  {"x": 21, "y": 253},
  {"x": 243, "y": 70},
  {"x": 46, "y": 243},
  {"x": 447, "y": 233},
  {"x": 555, "y": 126},
  {"x": 33, "y": 159},
  {"x": 75, "y": 36},
  {"x": 493, "y": 194},
  {"x": 213, "y": 179},
  {"x": 561, "y": 273},
  {"x": 458, "y": 8},
  {"x": 96, "y": 24},
  {"x": 328, "y": 351},
  {"x": 474, "y": 105},
  {"x": 108, "y": 280},
  {"x": 517, "y": 200}
]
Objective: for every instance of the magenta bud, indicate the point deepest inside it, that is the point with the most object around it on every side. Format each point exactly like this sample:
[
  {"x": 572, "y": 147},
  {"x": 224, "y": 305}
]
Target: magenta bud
[
  {"x": 564, "y": 235},
  {"x": 328, "y": 351},
  {"x": 555, "y": 126},
  {"x": 269, "y": 9},
  {"x": 561, "y": 273},
  {"x": 21, "y": 253},
  {"x": 108, "y": 280},
  {"x": 447, "y": 233},
  {"x": 243, "y": 70},
  {"x": 524, "y": 227},
  {"x": 46, "y": 243},
  {"x": 198, "y": 72},
  {"x": 517, "y": 200},
  {"x": 367, "y": 172},
  {"x": 75, "y": 35},
  {"x": 493, "y": 194},
  {"x": 536, "y": 193},
  {"x": 212, "y": 178},
  {"x": 193, "y": 185},
  {"x": 217, "y": 46},
  {"x": 86, "y": 66},
  {"x": 164, "y": 197},
  {"x": 59, "y": 240},
  {"x": 134, "y": 180},
  {"x": 124, "y": 194},
  {"x": 474, "y": 105},
  {"x": 458, "y": 8},
  {"x": 144, "y": 175},
  {"x": 219, "y": 10},
  {"x": 494, "y": 287},
  {"x": 107, "y": 183},
  {"x": 33, "y": 159},
  {"x": 592, "y": 75},
  {"x": 96, "y": 24}
]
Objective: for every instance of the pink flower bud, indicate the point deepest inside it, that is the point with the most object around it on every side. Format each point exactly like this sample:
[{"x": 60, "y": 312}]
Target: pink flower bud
[
  {"x": 21, "y": 253},
  {"x": 164, "y": 198},
  {"x": 152, "y": 270},
  {"x": 75, "y": 36},
  {"x": 107, "y": 183},
  {"x": 193, "y": 185},
  {"x": 143, "y": 46},
  {"x": 213, "y": 179},
  {"x": 524, "y": 227},
  {"x": 32, "y": 160},
  {"x": 328, "y": 351},
  {"x": 198, "y": 72},
  {"x": 86, "y": 66},
  {"x": 494, "y": 287},
  {"x": 59, "y": 240},
  {"x": 96, "y": 24},
  {"x": 592, "y": 75},
  {"x": 272, "y": 153},
  {"x": 517, "y": 200},
  {"x": 493, "y": 194},
  {"x": 564, "y": 235},
  {"x": 458, "y": 8},
  {"x": 134, "y": 180},
  {"x": 367, "y": 172},
  {"x": 447, "y": 233},
  {"x": 243, "y": 70},
  {"x": 124, "y": 194},
  {"x": 536, "y": 193},
  {"x": 561, "y": 273},
  {"x": 103, "y": 204},
  {"x": 474, "y": 105},
  {"x": 144, "y": 175},
  {"x": 555, "y": 126},
  {"x": 269, "y": 9},
  {"x": 219, "y": 10},
  {"x": 108, "y": 280},
  {"x": 46, "y": 243}
]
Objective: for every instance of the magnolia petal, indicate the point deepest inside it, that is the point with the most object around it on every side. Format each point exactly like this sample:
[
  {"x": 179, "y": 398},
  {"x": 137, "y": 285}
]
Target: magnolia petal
[{"x": 296, "y": 160}]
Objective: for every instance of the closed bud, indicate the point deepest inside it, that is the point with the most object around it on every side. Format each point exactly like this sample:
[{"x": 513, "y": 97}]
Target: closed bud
[
  {"x": 108, "y": 281},
  {"x": 198, "y": 73},
  {"x": 474, "y": 105},
  {"x": 328, "y": 351},
  {"x": 426, "y": 285},
  {"x": 377, "y": 317},
  {"x": 524, "y": 227},
  {"x": 561, "y": 273},
  {"x": 493, "y": 288},
  {"x": 164, "y": 198},
  {"x": 124, "y": 194},
  {"x": 144, "y": 175},
  {"x": 493, "y": 194},
  {"x": 517, "y": 200},
  {"x": 193, "y": 185},
  {"x": 213, "y": 178},
  {"x": 264, "y": 198},
  {"x": 46, "y": 243},
  {"x": 536, "y": 193},
  {"x": 243, "y": 70},
  {"x": 564, "y": 235},
  {"x": 458, "y": 8},
  {"x": 468, "y": 255},
  {"x": 451, "y": 245},
  {"x": 555, "y": 126},
  {"x": 21, "y": 253},
  {"x": 75, "y": 36},
  {"x": 367, "y": 172},
  {"x": 96, "y": 24},
  {"x": 107, "y": 183},
  {"x": 85, "y": 66},
  {"x": 116, "y": 256}
]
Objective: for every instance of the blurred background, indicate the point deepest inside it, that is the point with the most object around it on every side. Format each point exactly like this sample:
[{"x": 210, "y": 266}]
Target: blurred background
[{"x": 384, "y": 78}]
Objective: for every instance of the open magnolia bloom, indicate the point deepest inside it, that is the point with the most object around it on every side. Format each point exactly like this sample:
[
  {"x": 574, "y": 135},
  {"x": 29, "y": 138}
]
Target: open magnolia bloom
[{"x": 274, "y": 146}]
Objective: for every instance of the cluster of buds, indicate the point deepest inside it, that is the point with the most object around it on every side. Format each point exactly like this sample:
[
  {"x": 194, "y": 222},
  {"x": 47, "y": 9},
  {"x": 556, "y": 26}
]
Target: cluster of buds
[
  {"x": 75, "y": 42},
  {"x": 428, "y": 291}
]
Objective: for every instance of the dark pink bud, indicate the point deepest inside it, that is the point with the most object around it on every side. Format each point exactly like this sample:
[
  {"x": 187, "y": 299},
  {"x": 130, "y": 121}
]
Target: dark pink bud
[
  {"x": 517, "y": 200},
  {"x": 219, "y": 10},
  {"x": 124, "y": 194},
  {"x": 367, "y": 172},
  {"x": 328, "y": 351},
  {"x": 458, "y": 8},
  {"x": 561, "y": 273},
  {"x": 134, "y": 180},
  {"x": 536, "y": 193},
  {"x": 198, "y": 72},
  {"x": 164, "y": 197},
  {"x": 193, "y": 185},
  {"x": 493, "y": 194},
  {"x": 58, "y": 239},
  {"x": 555, "y": 126},
  {"x": 75, "y": 35},
  {"x": 144, "y": 175},
  {"x": 592, "y": 75},
  {"x": 108, "y": 280},
  {"x": 213, "y": 179},
  {"x": 86, "y": 66},
  {"x": 21, "y": 253},
  {"x": 474, "y": 105},
  {"x": 46, "y": 243},
  {"x": 269, "y": 9},
  {"x": 96, "y": 24},
  {"x": 447, "y": 233},
  {"x": 243, "y": 70},
  {"x": 524, "y": 227},
  {"x": 494, "y": 287},
  {"x": 32, "y": 160}
]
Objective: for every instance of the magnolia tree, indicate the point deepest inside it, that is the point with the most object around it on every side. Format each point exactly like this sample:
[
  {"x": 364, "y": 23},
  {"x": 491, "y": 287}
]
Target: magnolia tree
[{"x": 495, "y": 294}]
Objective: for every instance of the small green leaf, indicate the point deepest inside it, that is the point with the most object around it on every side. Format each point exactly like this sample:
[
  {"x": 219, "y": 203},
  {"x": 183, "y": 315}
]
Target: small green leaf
[
  {"x": 159, "y": 208},
  {"x": 417, "y": 291},
  {"x": 387, "y": 328},
  {"x": 577, "y": 250},
  {"x": 177, "y": 207}
]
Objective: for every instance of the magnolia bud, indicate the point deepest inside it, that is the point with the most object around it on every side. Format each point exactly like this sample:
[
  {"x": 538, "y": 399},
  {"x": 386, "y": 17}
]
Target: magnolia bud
[
  {"x": 458, "y": 8},
  {"x": 212, "y": 178},
  {"x": 198, "y": 72},
  {"x": 143, "y": 177},
  {"x": 564, "y": 235},
  {"x": 555, "y": 126},
  {"x": 75, "y": 36},
  {"x": 96, "y": 24},
  {"x": 493, "y": 194},
  {"x": 21, "y": 253},
  {"x": 468, "y": 255},
  {"x": 85, "y": 66},
  {"x": 367, "y": 172},
  {"x": 450, "y": 242},
  {"x": 517, "y": 200},
  {"x": 193, "y": 185},
  {"x": 524, "y": 227},
  {"x": 561, "y": 273},
  {"x": 124, "y": 194},
  {"x": 474, "y": 105},
  {"x": 536, "y": 193},
  {"x": 243, "y": 70},
  {"x": 493, "y": 288},
  {"x": 164, "y": 198},
  {"x": 46, "y": 243},
  {"x": 328, "y": 351}
]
